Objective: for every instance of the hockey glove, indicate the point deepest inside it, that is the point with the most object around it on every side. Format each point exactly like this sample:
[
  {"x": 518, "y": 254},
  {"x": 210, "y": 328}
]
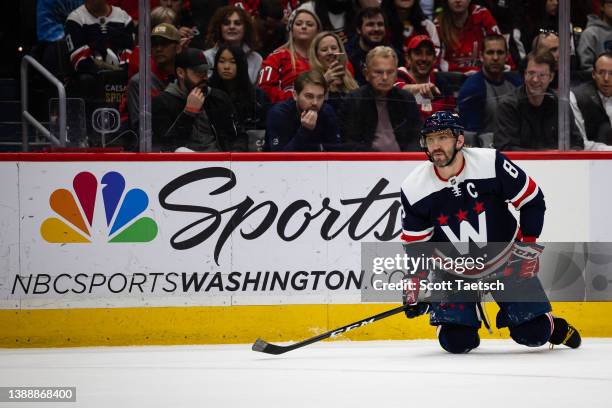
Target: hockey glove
[
  {"x": 524, "y": 260},
  {"x": 410, "y": 297}
]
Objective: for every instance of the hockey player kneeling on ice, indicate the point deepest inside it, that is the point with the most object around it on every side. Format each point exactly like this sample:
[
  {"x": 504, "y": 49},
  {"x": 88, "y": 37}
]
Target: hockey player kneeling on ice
[{"x": 465, "y": 185}]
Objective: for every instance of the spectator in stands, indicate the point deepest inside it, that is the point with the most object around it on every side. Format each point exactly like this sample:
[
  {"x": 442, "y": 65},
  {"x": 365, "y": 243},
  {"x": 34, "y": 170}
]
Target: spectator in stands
[
  {"x": 379, "y": 116},
  {"x": 328, "y": 56},
  {"x": 462, "y": 27},
  {"x": 431, "y": 92},
  {"x": 165, "y": 45},
  {"x": 231, "y": 75},
  {"x": 305, "y": 122},
  {"x": 99, "y": 37},
  {"x": 51, "y": 18},
  {"x": 547, "y": 40},
  {"x": 201, "y": 13},
  {"x": 591, "y": 104},
  {"x": 507, "y": 13},
  {"x": 279, "y": 69},
  {"x": 527, "y": 117},
  {"x": 233, "y": 26},
  {"x": 543, "y": 16},
  {"x": 481, "y": 93},
  {"x": 371, "y": 31},
  {"x": 597, "y": 37},
  {"x": 510, "y": 17},
  {"x": 192, "y": 115},
  {"x": 163, "y": 15},
  {"x": 159, "y": 15},
  {"x": 271, "y": 30},
  {"x": 335, "y": 15},
  {"x": 406, "y": 20}
]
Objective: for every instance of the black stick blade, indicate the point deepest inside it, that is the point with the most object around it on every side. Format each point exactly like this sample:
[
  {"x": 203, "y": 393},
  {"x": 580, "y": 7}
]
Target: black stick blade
[{"x": 265, "y": 347}]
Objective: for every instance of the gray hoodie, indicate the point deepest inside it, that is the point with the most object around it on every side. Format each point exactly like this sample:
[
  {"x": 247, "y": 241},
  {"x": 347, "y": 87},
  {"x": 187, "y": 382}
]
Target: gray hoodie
[{"x": 595, "y": 39}]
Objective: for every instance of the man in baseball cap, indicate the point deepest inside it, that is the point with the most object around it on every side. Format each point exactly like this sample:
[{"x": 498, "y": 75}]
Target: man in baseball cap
[
  {"x": 165, "y": 45},
  {"x": 192, "y": 69},
  {"x": 431, "y": 93},
  {"x": 193, "y": 59},
  {"x": 167, "y": 31},
  {"x": 165, "y": 40},
  {"x": 420, "y": 56},
  {"x": 189, "y": 114}
]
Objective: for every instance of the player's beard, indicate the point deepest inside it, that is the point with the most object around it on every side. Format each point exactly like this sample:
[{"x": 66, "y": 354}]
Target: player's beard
[{"x": 443, "y": 159}]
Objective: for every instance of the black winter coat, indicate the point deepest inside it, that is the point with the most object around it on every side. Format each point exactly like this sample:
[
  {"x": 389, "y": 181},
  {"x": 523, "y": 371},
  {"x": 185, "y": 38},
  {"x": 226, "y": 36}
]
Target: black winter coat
[
  {"x": 359, "y": 118},
  {"x": 522, "y": 126},
  {"x": 213, "y": 129}
]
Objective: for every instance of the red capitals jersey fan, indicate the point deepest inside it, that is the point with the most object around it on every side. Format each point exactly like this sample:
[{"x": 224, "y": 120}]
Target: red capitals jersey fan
[
  {"x": 463, "y": 56},
  {"x": 278, "y": 73}
]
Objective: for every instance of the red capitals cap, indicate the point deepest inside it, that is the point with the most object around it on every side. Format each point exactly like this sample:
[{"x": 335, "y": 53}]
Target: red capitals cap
[{"x": 417, "y": 40}]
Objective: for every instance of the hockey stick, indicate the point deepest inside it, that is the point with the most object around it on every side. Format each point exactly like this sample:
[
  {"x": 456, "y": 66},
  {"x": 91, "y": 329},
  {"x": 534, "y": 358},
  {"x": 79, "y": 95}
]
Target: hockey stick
[{"x": 269, "y": 348}]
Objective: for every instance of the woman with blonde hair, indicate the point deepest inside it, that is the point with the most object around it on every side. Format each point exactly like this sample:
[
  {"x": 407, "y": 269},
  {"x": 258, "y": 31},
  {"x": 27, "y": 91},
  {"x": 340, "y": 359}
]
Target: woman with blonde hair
[
  {"x": 328, "y": 56},
  {"x": 281, "y": 67}
]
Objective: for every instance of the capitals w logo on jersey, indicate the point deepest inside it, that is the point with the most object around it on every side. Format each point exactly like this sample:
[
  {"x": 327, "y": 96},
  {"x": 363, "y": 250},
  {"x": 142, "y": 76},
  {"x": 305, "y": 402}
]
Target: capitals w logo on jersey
[{"x": 471, "y": 209}]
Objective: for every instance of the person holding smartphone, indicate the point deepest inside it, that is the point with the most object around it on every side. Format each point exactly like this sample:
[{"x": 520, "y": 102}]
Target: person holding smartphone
[{"x": 328, "y": 56}]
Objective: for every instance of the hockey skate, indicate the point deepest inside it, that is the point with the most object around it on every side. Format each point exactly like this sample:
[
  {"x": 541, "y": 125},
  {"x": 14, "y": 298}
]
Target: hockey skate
[{"x": 564, "y": 333}]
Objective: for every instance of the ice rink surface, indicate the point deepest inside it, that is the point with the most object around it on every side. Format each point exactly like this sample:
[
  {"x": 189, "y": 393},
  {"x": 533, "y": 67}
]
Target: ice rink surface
[{"x": 403, "y": 374}]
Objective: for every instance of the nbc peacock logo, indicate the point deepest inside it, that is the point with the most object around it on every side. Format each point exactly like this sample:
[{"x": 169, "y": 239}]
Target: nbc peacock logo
[{"x": 76, "y": 211}]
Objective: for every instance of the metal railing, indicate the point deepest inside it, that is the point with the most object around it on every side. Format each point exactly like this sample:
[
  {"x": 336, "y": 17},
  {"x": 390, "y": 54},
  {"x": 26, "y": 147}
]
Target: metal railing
[{"x": 28, "y": 119}]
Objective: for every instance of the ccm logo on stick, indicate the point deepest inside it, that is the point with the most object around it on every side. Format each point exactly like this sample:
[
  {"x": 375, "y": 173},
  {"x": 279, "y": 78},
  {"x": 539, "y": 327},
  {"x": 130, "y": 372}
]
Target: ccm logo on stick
[{"x": 351, "y": 327}]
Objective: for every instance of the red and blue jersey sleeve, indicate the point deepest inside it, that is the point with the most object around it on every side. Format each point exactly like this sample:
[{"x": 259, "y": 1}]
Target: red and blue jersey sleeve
[
  {"x": 415, "y": 227},
  {"x": 523, "y": 193}
]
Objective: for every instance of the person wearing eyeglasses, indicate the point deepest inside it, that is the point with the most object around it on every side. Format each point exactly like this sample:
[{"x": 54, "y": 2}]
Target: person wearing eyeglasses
[
  {"x": 527, "y": 117},
  {"x": 591, "y": 104},
  {"x": 548, "y": 40},
  {"x": 597, "y": 37}
]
